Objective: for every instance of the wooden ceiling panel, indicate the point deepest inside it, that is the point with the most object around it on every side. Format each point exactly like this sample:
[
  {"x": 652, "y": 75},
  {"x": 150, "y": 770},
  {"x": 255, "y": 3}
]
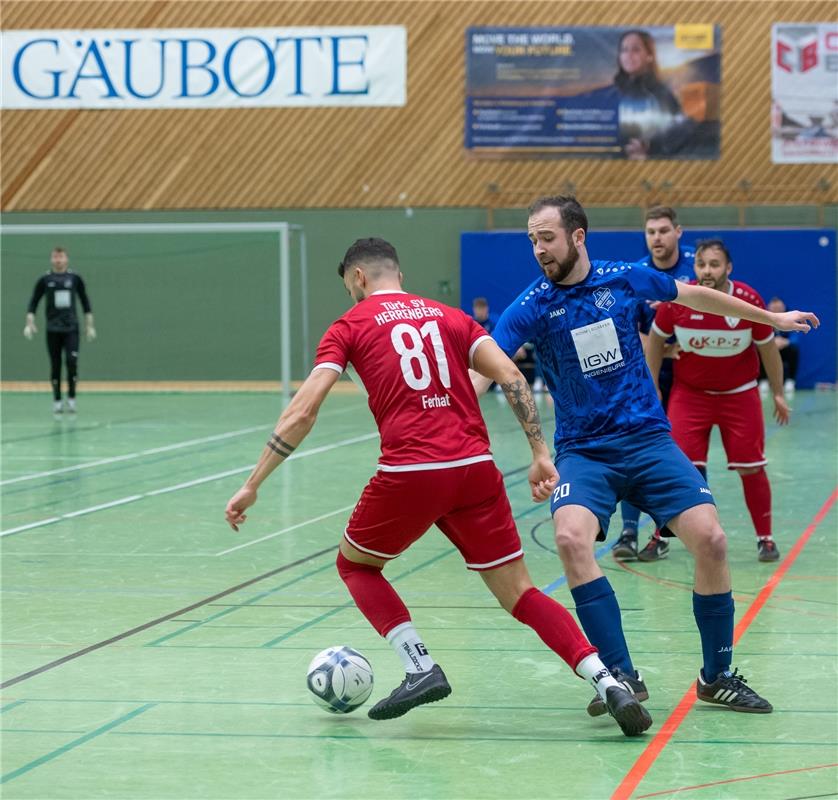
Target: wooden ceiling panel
[{"x": 378, "y": 157}]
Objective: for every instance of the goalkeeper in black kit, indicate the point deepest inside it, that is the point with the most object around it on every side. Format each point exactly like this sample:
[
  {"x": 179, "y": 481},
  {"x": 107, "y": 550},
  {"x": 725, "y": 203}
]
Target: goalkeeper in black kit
[{"x": 61, "y": 287}]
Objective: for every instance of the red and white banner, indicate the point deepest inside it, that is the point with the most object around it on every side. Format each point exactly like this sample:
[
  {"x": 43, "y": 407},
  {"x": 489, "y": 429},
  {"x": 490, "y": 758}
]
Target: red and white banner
[{"x": 804, "y": 93}]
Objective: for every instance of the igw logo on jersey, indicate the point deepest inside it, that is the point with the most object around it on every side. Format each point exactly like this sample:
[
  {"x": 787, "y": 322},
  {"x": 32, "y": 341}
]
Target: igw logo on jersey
[
  {"x": 598, "y": 348},
  {"x": 603, "y": 298}
]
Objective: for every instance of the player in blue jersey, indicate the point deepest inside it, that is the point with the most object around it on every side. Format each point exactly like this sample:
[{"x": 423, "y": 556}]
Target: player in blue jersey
[
  {"x": 668, "y": 255},
  {"x": 613, "y": 439}
]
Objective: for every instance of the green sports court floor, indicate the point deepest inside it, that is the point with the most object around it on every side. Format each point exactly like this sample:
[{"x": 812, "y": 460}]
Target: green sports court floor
[{"x": 150, "y": 652}]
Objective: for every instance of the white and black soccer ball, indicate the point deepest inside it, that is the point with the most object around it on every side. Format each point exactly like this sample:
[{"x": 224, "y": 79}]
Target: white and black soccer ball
[{"x": 339, "y": 679}]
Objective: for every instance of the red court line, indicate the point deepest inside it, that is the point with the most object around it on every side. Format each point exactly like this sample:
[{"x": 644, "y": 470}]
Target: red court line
[
  {"x": 736, "y": 780},
  {"x": 640, "y": 767}
]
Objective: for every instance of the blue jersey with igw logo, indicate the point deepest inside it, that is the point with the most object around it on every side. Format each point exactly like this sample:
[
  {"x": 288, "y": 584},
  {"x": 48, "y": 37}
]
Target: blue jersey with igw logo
[{"x": 589, "y": 350}]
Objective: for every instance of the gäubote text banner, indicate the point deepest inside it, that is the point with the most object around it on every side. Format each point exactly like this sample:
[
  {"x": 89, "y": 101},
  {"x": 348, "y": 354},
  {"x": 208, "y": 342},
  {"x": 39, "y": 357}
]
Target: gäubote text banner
[{"x": 204, "y": 67}]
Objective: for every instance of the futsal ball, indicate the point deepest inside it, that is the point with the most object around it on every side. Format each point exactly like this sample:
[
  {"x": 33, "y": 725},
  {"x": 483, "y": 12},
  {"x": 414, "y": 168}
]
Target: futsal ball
[{"x": 339, "y": 679}]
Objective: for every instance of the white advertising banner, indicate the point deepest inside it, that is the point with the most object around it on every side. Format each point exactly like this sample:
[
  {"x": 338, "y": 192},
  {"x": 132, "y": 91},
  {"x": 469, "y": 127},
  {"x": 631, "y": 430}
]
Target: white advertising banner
[
  {"x": 204, "y": 67},
  {"x": 804, "y": 93}
]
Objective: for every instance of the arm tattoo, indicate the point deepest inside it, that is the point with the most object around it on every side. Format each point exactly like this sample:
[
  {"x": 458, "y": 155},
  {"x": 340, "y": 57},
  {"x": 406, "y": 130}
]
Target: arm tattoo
[
  {"x": 520, "y": 397},
  {"x": 280, "y": 446}
]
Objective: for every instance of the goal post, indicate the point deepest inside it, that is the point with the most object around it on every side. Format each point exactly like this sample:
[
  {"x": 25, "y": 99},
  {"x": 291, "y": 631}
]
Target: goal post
[{"x": 284, "y": 232}]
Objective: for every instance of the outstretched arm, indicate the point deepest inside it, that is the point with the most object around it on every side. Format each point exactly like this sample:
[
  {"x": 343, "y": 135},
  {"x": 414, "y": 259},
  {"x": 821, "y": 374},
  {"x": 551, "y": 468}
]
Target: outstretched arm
[
  {"x": 493, "y": 364},
  {"x": 712, "y": 301},
  {"x": 293, "y": 426}
]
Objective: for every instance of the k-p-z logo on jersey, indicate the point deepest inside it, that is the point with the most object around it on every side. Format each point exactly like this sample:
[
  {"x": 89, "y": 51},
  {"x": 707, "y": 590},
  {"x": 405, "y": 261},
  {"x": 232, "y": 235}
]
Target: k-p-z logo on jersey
[{"x": 598, "y": 348}]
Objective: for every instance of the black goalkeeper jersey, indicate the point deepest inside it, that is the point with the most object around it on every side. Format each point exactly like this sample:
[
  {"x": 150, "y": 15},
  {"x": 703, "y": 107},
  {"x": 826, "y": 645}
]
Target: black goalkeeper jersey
[{"x": 61, "y": 290}]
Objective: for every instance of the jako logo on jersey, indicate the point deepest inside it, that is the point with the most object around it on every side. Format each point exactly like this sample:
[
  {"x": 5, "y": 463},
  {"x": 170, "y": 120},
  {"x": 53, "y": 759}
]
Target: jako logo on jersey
[
  {"x": 704, "y": 490},
  {"x": 603, "y": 298},
  {"x": 556, "y": 312}
]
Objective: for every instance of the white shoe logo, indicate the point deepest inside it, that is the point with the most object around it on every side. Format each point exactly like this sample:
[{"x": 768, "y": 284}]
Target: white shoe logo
[{"x": 410, "y": 685}]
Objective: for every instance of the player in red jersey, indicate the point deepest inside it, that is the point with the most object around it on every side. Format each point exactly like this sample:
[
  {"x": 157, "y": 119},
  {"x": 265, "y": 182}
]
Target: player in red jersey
[
  {"x": 412, "y": 355},
  {"x": 715, "y": 383}
]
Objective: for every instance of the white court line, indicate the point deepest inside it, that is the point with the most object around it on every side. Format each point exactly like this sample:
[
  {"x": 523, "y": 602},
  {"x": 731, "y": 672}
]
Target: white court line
[
  {"x": 150, "y": 451},
  {"x": 286, "y": 530},
  {"x": 138, "y": 454},
  {"x": 176, "y": 487}
]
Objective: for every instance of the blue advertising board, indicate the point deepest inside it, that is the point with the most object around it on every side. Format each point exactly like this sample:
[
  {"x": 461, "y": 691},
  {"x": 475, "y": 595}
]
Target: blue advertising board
[{"x": 595, "y": 92}]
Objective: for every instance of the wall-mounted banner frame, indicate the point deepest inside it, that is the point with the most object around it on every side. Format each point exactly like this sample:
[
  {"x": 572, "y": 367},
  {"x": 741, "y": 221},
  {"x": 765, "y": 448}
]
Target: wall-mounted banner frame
[
  {"x": 804, "y": 93},
  {"x": 594, "y": 92},
  {"x": 204, "y": 67}
]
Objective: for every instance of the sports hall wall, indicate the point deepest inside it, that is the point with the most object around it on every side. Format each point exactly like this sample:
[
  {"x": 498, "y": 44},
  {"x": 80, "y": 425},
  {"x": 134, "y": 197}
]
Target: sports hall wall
[
  {"x": 499, "y": 265},
  {"x": 192, "y": 308}
]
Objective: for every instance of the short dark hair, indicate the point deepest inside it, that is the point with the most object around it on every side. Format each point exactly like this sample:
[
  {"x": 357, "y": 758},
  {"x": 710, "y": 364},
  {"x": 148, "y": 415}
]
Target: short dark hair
[
  {"x": 371, "y": 249},
  {"x": 59, "y": 250},
  {"x": 706, "y": 244},
  {"x": 572, "y": 214},
  {"x": 480, "y": 301},
  {"x": 658, "y": 212}
]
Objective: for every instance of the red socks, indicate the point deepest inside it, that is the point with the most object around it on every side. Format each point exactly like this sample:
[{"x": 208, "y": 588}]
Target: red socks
[
  {"x": 554, "y": 624},
  {"x": 375, "y": 597},
  {"x": 758, "y": 499}
]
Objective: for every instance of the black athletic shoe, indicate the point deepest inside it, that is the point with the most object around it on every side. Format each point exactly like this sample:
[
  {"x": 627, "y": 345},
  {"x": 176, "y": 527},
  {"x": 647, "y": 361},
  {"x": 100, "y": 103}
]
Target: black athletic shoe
[
  {"x": 767, "y": 550},
  {"x": 655, "y": 550},
  {"x": 625, "y": 548},
  {"x": 632, "y": 718},
  {"x": 730, "y": 689},
  {"x": 416, "y": 689},
  {"x": 633, "y": 684}
]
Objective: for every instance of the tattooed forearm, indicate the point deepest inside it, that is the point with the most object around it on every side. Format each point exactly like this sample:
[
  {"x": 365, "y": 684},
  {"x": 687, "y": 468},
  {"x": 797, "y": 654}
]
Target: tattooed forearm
[
  {"x": 520, "y": 397},
  {"x": 280, "y": 446}
]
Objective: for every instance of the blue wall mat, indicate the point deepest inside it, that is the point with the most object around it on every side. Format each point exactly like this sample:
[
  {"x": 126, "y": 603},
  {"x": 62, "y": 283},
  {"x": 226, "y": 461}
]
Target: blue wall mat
[{"x": 799, "y": 265}]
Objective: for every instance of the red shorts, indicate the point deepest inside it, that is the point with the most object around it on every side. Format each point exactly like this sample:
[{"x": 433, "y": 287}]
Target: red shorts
[
  {"x": 468, "y": 504},
  {"x": 739, "y": 417}
]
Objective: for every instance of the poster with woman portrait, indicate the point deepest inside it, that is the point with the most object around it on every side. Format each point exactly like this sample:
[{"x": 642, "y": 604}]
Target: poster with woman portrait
[{"x": 594, "y": 92}]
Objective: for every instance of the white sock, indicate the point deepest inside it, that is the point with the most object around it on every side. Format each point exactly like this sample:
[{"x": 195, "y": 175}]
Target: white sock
[
  {"x": 409, "y": 647},
  {"x": 595, "y": 672}
]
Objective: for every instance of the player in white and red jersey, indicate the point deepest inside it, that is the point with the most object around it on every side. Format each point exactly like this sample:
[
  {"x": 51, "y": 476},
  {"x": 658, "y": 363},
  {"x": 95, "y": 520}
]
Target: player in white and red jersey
[
  {"x": 413, "y": 355},
  {"x": 715, "y": 383}
]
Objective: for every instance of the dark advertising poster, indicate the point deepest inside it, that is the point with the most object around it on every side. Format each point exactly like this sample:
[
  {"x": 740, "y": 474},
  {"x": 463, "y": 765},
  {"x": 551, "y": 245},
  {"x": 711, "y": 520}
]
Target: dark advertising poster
[{"x": 621, "y": 93}]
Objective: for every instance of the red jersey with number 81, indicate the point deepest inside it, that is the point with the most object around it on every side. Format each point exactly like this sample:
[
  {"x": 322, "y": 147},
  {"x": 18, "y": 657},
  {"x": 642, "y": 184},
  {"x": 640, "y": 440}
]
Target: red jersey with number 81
[{"x": 412, "y": 355}]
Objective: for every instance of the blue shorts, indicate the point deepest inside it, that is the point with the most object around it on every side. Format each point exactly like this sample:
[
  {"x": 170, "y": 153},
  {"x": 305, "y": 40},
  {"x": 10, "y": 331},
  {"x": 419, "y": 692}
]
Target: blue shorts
[{"x": 647, "y": 470}]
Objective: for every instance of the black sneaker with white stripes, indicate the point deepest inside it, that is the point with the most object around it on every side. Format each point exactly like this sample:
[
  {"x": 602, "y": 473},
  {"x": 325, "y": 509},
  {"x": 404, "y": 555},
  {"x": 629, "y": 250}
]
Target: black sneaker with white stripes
[
  {"x": 416, "y": 689},
  {"x": 730, "y": 689},
  {"x": 633, "y": 684}
]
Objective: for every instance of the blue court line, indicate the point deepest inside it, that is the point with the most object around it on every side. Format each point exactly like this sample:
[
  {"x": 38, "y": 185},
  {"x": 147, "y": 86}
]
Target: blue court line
[
  {"x": 75, "y": 743},
  {"x": 561, "y": 580}
]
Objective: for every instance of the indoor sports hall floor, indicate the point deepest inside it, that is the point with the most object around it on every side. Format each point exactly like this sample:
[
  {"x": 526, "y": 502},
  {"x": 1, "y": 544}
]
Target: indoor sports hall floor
[{"x": 150, "y": 652}]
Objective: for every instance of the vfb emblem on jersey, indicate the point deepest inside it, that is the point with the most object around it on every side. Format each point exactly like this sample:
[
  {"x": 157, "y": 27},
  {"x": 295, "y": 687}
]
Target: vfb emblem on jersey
[{"x": 604, "y": 299}]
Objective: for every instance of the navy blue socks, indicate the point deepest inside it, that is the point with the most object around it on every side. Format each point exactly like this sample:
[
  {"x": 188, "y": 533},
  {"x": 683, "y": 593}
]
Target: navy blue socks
[
  {"x": 714, "y": 617},
  {"x": 599, "y": 614}
]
